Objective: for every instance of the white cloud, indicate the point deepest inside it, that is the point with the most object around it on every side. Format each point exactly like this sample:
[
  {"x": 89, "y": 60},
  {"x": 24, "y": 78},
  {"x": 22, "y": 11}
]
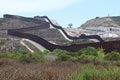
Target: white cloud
[{"x": 25, "y": 6}]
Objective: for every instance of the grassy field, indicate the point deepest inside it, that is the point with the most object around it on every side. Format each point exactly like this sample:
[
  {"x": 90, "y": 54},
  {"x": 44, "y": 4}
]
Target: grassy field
[{"x": 86, "y": 64}]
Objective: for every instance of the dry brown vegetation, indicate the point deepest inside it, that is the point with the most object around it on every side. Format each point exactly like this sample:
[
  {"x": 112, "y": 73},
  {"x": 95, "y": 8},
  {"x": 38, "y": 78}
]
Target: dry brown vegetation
[{"x": 14, "y": 70}]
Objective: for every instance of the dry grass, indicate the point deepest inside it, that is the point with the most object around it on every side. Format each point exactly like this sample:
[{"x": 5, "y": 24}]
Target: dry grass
[
  {"x": 11, "y": 69},
  {"x": 14, "y": 70}
]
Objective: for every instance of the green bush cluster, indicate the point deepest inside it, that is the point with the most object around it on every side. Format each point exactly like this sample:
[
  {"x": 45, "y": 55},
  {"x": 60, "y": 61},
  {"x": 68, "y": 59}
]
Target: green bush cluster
[
  {"x": 113, "y": 56},
  {"x": 86, "y": 54},
  {"x": 24, "y": 56},
  {"x": 88, "y": 51},
  {"x": 31, "y": 57},
  {"x": 86, "y": 58},
  {"x": 63, "y": 55}
]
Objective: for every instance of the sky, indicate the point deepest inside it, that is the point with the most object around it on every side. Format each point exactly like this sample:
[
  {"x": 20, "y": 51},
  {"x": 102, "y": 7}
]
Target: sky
[{"x": 64, "y": 12}]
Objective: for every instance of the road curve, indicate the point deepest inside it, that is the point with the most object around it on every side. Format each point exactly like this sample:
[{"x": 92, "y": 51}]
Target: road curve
[
  {"x": 38, "y": 46},
  {"x": 22, "y": 42}
]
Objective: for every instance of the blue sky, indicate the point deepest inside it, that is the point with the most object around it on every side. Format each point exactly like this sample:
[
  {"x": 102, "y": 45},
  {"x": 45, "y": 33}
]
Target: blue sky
[{"x": 64, "y": 11}]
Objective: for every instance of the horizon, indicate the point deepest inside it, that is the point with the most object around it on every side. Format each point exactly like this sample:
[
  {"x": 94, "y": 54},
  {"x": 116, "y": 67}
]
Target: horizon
[{"x": 76, "y": 12}]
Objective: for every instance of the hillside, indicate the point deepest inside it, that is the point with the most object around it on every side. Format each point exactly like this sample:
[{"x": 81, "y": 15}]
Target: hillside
[
  {"x": 17, "y": 22},
  {"x": 51, "y": 35},
  {"x": 113, "y": 21},
  {"x": 44, "y": 29}
]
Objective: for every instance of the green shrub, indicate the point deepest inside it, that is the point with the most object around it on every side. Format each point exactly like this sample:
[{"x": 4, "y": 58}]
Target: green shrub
[
  {"x": 113, "y": 56},
  {"x": 24, "y": 56},
  {"x": 86, "y": 58},
  {"x": 32, "y": 57},
  {"x": 11, "y": 55},
  {"x": 100, "y": 52},
  {"x": 46, "y": 52},
  {"x": 65, "y": 57},
  {"x": 88, "y": 51},
  {"x": 59, "y": 51}
]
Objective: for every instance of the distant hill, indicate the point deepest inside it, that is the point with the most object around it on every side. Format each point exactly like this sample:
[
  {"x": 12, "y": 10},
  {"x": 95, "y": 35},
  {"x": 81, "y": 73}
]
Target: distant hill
[{"x": 110, "y": 21}]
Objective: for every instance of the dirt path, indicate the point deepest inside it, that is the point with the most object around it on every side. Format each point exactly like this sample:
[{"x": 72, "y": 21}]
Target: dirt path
[
  {"x": 40, "y": 47},
  {"x": 22, "y": 42}
]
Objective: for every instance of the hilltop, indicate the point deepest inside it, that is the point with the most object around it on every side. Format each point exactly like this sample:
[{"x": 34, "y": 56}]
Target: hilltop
[{"x": 110, "y": 21}]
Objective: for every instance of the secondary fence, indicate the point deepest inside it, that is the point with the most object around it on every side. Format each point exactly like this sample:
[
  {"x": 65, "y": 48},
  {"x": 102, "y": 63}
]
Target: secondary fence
[{"x": 108, "y": 46}]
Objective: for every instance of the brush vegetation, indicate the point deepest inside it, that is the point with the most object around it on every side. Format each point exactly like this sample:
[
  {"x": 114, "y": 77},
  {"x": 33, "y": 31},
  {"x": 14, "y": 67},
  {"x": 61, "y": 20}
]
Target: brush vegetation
[{"x": 86, "y": 64}]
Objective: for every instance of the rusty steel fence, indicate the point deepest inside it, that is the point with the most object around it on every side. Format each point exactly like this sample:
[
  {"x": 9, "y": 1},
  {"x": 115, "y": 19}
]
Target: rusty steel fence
[{"x": 108, "y": 46}]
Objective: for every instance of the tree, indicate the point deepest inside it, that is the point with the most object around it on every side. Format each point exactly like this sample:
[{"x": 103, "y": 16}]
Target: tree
[{"x": 70, "y": 25}]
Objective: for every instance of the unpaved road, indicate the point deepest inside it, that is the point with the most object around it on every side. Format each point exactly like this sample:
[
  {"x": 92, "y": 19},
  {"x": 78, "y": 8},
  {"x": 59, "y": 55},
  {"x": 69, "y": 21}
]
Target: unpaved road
[{"x": 40, "y": 47}]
